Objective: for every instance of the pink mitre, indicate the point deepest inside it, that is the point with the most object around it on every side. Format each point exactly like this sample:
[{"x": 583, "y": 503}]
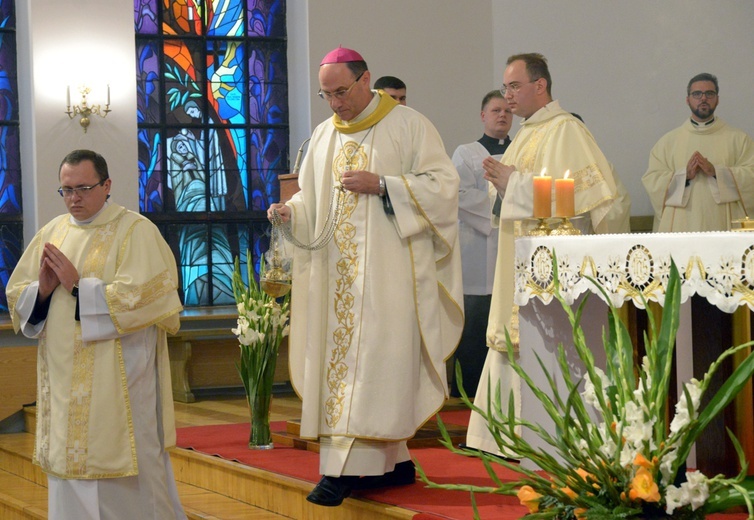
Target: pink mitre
[{"x": 341, "y": 55}]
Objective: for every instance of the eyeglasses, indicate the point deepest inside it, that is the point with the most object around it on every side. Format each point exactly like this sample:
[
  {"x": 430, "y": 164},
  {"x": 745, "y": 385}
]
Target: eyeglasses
[
  {"x": 514, "y": 87},
  {"x": 338, "y": 94},
  {"x": 81, "y": 191},
  {"x": 709, "y": 94}
]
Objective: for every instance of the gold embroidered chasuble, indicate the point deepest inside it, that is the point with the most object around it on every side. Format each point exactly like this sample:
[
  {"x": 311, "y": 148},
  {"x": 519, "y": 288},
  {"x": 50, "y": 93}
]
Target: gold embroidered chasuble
[
  {"x": 705, "y": 203},
  {"x": 376, "y": 313},
  {"x": 84, "y": 428},
  {"x": 553, "y": 139}
]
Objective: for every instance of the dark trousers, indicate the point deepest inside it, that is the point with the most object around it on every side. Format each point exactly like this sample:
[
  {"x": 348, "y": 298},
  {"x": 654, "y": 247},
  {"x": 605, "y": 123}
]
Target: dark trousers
[{"x": 472, "y": 350}]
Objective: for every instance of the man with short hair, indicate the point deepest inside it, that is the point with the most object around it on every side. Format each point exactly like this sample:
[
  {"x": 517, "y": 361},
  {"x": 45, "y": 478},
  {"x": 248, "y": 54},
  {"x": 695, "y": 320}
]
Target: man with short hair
[
  {"x": 478, "y": 238},
  {"x": 377, "y": 305},
  {"x": 394, "y": 87},
  {"x": 701, "y": 175},
  {"x": 701, "y": 178},
  {"x": 549, "y": 138},
  {"x": 98, "y": 287}
]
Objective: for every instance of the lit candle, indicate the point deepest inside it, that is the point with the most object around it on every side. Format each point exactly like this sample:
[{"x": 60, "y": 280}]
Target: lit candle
[
  {"x": 67, "y": 95},
  {"x": 564, "y": 205},
  {"x": 542, "y": 195},
  {"x": 108, "y": 94}
]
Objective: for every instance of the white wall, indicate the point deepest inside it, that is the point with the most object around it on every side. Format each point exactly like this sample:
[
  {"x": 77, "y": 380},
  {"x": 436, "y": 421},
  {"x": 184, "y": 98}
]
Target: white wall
[
  {"x": 67, "y": 43},
  {"x": 624, "y": 66},
  {"x": 441, "y": 49}
]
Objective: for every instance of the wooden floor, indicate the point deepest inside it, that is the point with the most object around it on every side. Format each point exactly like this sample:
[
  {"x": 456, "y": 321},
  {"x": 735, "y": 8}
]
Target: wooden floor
[
  {"x": 230, "y": 410},
  {"x": 23, "y": 493}
]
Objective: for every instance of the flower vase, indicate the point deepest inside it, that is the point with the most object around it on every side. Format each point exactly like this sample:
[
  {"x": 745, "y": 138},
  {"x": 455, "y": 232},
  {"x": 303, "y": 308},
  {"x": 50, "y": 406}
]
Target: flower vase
[{"x": 260, "y": 436}]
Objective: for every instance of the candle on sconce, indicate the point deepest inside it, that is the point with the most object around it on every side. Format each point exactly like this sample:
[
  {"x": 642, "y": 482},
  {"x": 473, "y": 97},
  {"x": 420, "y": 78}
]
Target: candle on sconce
[
  {"x": 68, "y": 95},
  {"x": 108, "y": 94},
  {"x": 564, "y": 201},
  {"x": 542, "y": 195}
]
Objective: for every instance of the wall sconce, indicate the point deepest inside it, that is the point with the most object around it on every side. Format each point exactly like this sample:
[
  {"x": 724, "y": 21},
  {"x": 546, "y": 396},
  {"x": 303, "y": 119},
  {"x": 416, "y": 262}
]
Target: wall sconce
[{"x": 83, "y": 108}]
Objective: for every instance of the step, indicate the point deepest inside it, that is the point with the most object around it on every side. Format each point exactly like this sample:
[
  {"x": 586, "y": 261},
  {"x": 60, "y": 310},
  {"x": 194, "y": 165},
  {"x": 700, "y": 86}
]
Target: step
[{"x": 23, "y": 490}]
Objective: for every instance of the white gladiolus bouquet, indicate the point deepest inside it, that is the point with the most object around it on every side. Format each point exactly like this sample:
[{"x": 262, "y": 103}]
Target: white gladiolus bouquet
[
  {"x": 262, "y": 324},
  {"x": 626, "y": 463}
]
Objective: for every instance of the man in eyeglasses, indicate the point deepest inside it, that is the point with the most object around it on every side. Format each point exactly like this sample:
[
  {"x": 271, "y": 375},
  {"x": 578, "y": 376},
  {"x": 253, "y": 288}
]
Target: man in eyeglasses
[
  {"x": 378, "y": 308},
  {"x": 701, "y": 175},
  {"x": 98, "y": 287},
  {"x": 553, "y": 139},
  {"x": 701, "y": 178}
]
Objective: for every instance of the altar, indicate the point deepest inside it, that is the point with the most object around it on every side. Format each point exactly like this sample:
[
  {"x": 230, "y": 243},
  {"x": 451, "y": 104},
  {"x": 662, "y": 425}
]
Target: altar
[{"x": 718, "y": 267}]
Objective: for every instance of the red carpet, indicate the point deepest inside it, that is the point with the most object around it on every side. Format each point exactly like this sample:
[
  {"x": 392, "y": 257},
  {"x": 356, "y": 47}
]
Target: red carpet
[{"x": 230, "y": 442}]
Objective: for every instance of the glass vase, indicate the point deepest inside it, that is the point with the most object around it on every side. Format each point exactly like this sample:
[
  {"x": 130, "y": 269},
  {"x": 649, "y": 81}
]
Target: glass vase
[{"x": 260, "y": 436}]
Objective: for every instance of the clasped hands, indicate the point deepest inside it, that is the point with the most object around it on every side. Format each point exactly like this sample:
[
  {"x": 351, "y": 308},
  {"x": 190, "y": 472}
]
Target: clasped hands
[
  {"x": 55, "y": 269},
  {"x": 699, "y": 164},
  {"x": 497, "y": 173}
]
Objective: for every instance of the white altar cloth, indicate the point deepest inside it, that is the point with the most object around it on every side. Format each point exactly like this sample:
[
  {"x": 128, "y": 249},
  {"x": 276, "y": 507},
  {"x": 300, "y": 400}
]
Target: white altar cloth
[{"x": 718, "y": 266}]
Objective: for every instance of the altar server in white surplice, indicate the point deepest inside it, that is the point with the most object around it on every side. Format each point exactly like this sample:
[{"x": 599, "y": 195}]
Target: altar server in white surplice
[
  {"x": 478, "y": 237},
  {"x": 550, "y": 138},
  {"x": 98, "y": 287},
  {"x": 701, "y": 175},
  {"x": 378, "y": 311}
]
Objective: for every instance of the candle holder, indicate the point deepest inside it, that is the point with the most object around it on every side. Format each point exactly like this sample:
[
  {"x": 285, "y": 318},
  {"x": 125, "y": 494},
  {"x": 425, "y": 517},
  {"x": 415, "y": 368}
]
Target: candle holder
[
  {"x": 565, "y": 228},
  {"x": 743, "y": 224},
  {"x": 542, "y": 229}
]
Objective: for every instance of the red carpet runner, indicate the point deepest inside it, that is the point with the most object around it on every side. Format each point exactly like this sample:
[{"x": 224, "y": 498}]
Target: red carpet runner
[{"x": 230, "y": 442}]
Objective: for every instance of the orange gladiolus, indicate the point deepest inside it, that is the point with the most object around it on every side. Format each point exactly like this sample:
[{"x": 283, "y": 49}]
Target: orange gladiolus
[
  {"x": 569, "y": 492},
  {"x": 529, "y": 498},
  {"x": 641, "y": 460},
  {"x": 643, "y": 487}
]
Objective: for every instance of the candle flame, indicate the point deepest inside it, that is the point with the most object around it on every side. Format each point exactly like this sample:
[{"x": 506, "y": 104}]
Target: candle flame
[
  {"x": 542, "y": 173},
  {"x": 567, "y": 173}
]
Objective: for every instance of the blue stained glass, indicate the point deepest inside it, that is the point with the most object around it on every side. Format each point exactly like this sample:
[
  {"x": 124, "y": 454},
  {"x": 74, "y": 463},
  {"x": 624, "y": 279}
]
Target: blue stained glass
[
  {"x": 225, "y": 73},
  {"x": 147, "y": 84},
  {"x": 212, "y": 116},
  {"x": 222, "y": 266},
  {"x": 256, "y": 240},
  {"x": 266, "y": 18},
  {"x": 8, "y": 14},
  {"x": 269, "y": 158},
  {"x": 8, "y": 80},
  {"x": 150, "y": 171},
  {"x": 10, "y": 171},
  {"x": 268, "y": 98},
  {"x": 226, "y": 18},
  {"x": 193, "y": 263},
  {"x": 145, "y": 16},
  {"x": 11, "y": 226},
  {"x": 11, "y": 248}
]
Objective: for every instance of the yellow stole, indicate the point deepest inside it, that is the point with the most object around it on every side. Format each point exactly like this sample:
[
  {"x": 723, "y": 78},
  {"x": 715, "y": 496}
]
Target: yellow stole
[{"x": 383, "y": 108}]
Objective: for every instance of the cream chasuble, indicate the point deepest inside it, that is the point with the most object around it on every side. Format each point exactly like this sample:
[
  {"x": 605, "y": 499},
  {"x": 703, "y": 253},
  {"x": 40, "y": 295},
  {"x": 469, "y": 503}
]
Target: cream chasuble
[
  {"x": 704, "y": 203},
  {"x": 377, "y": 312},
  {"x": 554, "y": 139},
  {"x": 84, "y": 426}
]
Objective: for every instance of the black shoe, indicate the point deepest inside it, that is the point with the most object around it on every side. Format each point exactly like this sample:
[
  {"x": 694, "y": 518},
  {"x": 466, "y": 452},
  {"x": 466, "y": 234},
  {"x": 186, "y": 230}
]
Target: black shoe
[
  {"x": 331, "y": 490},
  {"x": 403, "y": 475}
]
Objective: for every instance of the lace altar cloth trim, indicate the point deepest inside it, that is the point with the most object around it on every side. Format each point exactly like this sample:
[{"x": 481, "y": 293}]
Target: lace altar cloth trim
[{"x": 718, "y": 266}]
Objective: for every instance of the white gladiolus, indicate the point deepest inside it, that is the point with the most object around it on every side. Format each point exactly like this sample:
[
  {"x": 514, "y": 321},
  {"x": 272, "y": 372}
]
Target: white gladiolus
[{"x": 683, "y": 414}]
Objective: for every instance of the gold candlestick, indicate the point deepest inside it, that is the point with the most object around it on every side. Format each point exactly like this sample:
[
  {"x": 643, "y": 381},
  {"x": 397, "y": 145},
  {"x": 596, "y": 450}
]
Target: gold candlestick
[
  {"x": 565, "y": 228},
  {"x": 541, "y": 230}
]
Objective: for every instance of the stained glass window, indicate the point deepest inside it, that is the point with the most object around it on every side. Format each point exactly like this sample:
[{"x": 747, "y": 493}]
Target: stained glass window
[
  {"x": 213, "y": 131},
  {"x": 11, "y": 216}
]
